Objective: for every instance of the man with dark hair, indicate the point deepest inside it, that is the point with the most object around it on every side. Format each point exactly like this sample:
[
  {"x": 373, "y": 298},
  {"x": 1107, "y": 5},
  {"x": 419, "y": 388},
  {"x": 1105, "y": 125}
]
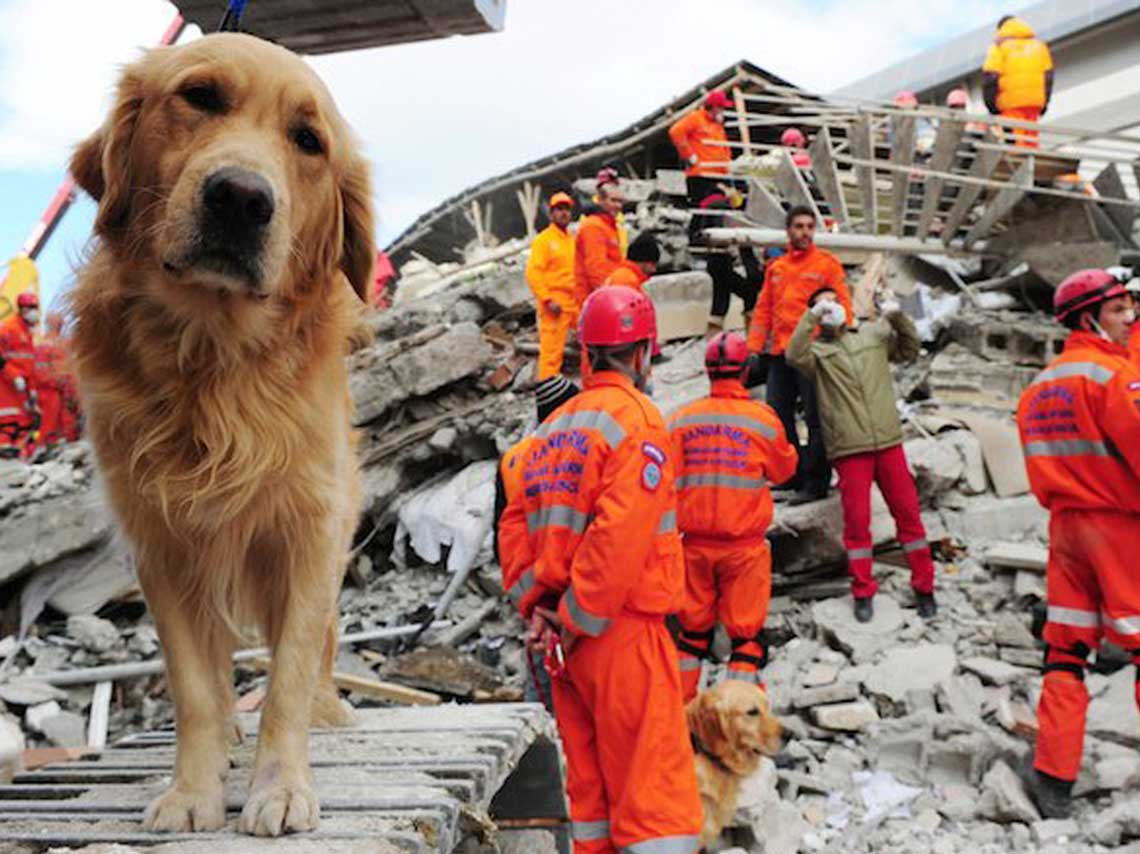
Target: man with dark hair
[
  {"x": 1080, "y": 429},
  {"x": 639, "y": 264},
  {"x": 1017, "y": 77},
  {"x": 596, "y": 526},
  {"x": 789, "y": 282}
]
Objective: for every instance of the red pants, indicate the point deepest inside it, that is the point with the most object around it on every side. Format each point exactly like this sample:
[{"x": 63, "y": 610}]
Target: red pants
[
  {"x": 1093, "y": 592},
  {"x": 1024, "y": 137},
  {"x": 888, "y": 469},
  {"x": 730, "y": 580},
  {"x": 630, "y": 775}
]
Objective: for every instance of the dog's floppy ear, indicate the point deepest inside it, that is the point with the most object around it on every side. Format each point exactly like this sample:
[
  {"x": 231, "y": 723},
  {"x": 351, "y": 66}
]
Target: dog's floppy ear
[
  {"x": 358, "y": 253},
  {"x": 706, "y": 721},
  {"x": 101, "y": 163}
]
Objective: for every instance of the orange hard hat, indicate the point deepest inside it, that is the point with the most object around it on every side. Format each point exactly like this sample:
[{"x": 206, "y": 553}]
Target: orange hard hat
[
  {"x": 561, "y": 199},
  {"x": 615, "y": 315}
]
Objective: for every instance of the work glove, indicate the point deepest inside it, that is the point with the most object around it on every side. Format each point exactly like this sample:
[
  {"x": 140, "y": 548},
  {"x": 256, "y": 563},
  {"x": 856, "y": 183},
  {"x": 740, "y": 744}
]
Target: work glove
[
  {"x": 835, "y": 317},
  {"x": 819, "y": 310},
  {"x": 755, "y": 370}
]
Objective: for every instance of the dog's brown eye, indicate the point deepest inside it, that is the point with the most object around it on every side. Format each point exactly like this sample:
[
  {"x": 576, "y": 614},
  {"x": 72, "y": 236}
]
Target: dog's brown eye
[
  {"x": 307, "y": 141},
  {"x": 753, "y": 713},
  {"x": 204, "y": 97}
]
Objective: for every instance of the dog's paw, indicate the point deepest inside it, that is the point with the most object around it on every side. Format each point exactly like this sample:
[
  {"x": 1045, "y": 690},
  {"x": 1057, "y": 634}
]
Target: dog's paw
[
  {"x": 277, "y": 808},
  {"x": 180, "y": 811},
  {"x": 329, "y": 710}
]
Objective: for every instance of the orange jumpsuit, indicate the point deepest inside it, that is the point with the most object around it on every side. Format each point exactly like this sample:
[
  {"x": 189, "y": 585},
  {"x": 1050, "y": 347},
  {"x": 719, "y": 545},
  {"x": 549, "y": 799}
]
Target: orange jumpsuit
[
  {"x": 789, "y": 282},
  {"x": 550, "y": 274},
  {"x": 1020, "y": 62},
  {"x": 728, "y": 449},
  {"x": 627, "y": 273},
  {"x": 1134, "y": 343},
  {"x": 598, "y": 513},
  {"x": 513, "y": 543},
  {"x": 696, "y": 133},
  {"x": 1080, "y": 428},
  {"x": 598, "y": 253},
  {"x": 17, "y": 360}
]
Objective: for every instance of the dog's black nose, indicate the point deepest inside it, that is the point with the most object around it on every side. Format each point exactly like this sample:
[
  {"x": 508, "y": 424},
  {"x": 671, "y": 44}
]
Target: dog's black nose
[{"x": 238, "y": 200}]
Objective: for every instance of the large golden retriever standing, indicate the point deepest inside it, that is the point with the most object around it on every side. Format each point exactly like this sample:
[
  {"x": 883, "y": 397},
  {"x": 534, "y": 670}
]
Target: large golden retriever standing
[
  {"x": 211, "y": 330},
  {"x": 732, "y": 726}
]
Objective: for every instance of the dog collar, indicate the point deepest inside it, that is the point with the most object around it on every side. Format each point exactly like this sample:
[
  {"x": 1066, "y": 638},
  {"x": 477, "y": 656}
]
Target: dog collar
[{"x": 712, "y": 757}]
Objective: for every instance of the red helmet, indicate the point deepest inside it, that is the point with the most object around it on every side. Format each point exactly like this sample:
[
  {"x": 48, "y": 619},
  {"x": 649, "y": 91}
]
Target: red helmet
[
  {"x": 725, "y": 355},
  {"x": 1084, "y": 289},
  {"x": 793, "y": 138},
  {"x": 957, "y": 98},
  {"x": 615, "y": 315},
  {"x": 27, "y": 300},
  {"x": 717, "y": 99},
  {"x": 906, "y": 98}
]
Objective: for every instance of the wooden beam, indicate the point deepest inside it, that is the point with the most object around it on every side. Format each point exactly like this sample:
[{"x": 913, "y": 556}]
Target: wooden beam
[
  {"x": 863, "y": 147},
  {"x": 903, "y": 131},
  {"x": 827, "y": 178},
  {"x": 374, "y": 688},
  {"x": 1108, "y": 183},
  {"x": 942, "y": 160},
  {"x": 741, "y": 115},
  {"x": 984, "y": 164},
  {"x": 1003, "y": 202},
  {"x": 762, "y": 207},
  {"x": 529, "y": 196},
  {"x": 791, "y": 184}
]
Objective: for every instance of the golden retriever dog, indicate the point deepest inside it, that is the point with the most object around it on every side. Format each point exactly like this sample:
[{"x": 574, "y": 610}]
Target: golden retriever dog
[
  {"x": 212, "y": 322},
  {"x": 732, "y": 726}
]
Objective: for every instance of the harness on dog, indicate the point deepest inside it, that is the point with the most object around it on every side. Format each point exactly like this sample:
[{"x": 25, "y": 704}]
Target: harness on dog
[{"x": 698, "y": 747}]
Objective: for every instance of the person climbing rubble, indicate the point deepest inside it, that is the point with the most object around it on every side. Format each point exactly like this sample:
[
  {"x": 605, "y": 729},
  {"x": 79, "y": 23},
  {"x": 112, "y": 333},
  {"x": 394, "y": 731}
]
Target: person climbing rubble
[
  {"x": 1017, "y": 77},
  {"x": 789, "y": 281},
  {"x": 549, "y": 395},
  {"x": 19, "y": 408},
  {"x": 727, "y": 448},
  {"x": 699, "y": 138},
  {"x": 598, "y": 519},
  {"x": 1080, "y": 429},
  {"x": 550, "y": 274},
  {"x": 850, "y": 369},
  {"x": 598, "y": 244}
]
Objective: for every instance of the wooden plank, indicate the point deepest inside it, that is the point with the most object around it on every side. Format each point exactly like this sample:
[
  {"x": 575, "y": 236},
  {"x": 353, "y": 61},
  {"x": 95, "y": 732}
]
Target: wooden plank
[
  {"x": 859, "y": 134},
  {"x": 791, "y": 184},
  {"x": 742, "y": 117},
  {"x": 903, "y": 131},
  {"x": 373, "y": 688},
  {"x": 1002, "y": 203},
  {"x": 946, "y": 143},
  {"x": 762, "y": 207},
  {"x": 1109, "y": 184},
  {"x": 100, "y": 716},
  {"x": 827, "y": 177},
  {"x": 984, "y": 164}
]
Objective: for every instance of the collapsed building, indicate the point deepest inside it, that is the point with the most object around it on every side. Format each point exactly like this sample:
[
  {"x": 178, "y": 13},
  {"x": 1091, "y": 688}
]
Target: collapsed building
[{"x": 904, "y": 732}]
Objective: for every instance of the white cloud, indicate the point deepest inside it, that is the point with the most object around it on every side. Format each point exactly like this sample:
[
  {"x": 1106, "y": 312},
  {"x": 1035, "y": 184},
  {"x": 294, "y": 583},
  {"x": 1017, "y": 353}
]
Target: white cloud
[{"x": 438, "y": 116}]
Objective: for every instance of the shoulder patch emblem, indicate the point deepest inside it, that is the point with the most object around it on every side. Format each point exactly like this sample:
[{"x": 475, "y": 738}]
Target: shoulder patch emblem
[
  {"x": 653, "y": 452},
  {"x": 651, "y": 476}
]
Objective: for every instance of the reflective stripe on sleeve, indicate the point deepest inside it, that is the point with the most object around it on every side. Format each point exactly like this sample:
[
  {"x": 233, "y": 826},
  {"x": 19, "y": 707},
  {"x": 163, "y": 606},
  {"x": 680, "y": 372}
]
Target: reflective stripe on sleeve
[
  {"x": 663, "y": 845},
  {"x": 590, "y": 831},
  {"x": 1067, "y": 448},
  {"x": 524, "y": 585},
  {"x": 744, "y": 422},
  {"x": 585, "y": 419},
  {"x": 557, "y": 516},
  {"x": 1075, "y": 617},
  {"x": 1099, "y": 374},
  {"x": 732, "y": 481},
  {"x": 1126, "y": 625},
  {"x": 583, "y": 619}
]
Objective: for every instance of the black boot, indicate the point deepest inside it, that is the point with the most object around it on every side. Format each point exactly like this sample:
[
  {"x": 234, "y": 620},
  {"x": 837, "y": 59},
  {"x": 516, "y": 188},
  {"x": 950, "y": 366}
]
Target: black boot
[
  {"x": 864, "y": 609},
  {"x": 1053, "y": 797},
  {"x": 927, "y": 607}
]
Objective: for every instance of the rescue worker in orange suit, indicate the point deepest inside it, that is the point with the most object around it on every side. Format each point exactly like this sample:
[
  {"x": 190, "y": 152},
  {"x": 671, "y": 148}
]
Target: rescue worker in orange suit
[
  {"x": 598, "y": 516},
  {"x": 789, "y": 283},
  {"x": 640, "y": 263},
  {"x": 549, "y": 394},
  {"x": 19, "y": 411},
  {"x": 550, "y": 274},
  {"x": 54, "y": 386},
  {"x": 728, "y": 449},
  {"x": 598, "y": 243},
  {"x": 1080, "y": 430},
  {"x": 1017, "y": 77}
]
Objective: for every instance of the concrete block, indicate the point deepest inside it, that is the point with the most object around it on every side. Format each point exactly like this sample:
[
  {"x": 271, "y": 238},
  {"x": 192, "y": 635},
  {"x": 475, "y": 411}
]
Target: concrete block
[
  {"x": 916, "y": 668},
  {"x": 838, "y": 692},
  {"x": 1004, "y": 798},
  {"x": 846, "y": 717},
  {"x": 993, "y": 671}
]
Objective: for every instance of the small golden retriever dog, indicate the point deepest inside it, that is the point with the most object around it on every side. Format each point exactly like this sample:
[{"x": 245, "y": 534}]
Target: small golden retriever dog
[
  {"x": 732, "y": 726},
  {"x": 212, "y": 322}
]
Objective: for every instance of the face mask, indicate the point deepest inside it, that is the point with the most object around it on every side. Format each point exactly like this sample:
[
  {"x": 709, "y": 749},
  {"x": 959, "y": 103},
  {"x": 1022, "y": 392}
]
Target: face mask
[{"x": 32, "y": 317}]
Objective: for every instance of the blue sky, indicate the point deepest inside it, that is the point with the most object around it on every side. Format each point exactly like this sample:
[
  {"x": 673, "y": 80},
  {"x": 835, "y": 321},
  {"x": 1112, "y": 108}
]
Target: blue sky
[{"x": 437, "y": 117}]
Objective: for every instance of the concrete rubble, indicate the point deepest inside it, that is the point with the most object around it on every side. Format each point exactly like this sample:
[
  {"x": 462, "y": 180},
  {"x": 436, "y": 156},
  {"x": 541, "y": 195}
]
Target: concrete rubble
[{"x": 903, "y": 733}]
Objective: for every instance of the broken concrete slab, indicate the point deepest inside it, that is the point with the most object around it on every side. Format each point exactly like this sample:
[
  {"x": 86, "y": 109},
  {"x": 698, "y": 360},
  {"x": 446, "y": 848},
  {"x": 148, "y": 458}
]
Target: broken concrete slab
[
  {"x": 1119, "y": 822},
  {"x": 1029, "y": 556},
  {"x": 917, "y": 668},
  {"x": 837, "y": 692},
  {"x": 1112, "y": 713},
  {"x": 11, "y": 747},
  {"x": 835, "y": 619},
  {"x": 937, "y": 466},
  {"x": 993, "y": 671},
  {"x": 845, "y": 717},
  {"x": 1054, "y": 830},
  {"x": 92, "y": 633},
  {"x": 1004, "y": 798},
  {"x": 682, "y": 302},
  {"x": 988, "y": 518},
  {"x": 65, "y": 729},
  {"x": 24, "y": 691}
]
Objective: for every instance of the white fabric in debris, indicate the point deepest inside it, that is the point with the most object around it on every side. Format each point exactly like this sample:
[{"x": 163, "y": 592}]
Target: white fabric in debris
[{"x": 455, "y": 512}]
